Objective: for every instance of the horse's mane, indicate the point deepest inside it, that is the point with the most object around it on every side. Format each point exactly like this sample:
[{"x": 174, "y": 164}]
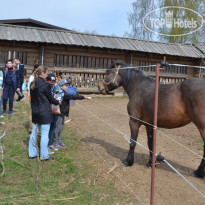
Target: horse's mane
[{"x": 130, "y": 72}]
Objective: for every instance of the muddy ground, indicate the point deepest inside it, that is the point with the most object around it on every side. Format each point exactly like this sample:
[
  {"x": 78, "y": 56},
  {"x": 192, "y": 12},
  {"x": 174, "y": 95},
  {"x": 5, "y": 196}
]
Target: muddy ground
[{"x": 169, "y": 187}]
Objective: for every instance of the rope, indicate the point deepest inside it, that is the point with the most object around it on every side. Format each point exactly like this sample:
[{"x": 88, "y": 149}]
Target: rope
[
  {"x": 130, "y": 67},
  {"x": 175, "y": 170},
  {"x": 165, "y": 135},
  {"x": 191, "y": 66},
  {"x": 2, "y": 151},
  {"x": 126, "y": 137},
  {"x": 116, "y": 175}
]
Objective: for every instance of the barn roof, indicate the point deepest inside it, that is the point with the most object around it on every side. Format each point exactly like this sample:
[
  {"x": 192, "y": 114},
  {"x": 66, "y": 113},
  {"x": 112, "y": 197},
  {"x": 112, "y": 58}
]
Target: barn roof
[
  {"x": 42, "y": 35},
  {"x": 201, "y": 48},
  {"x": 30, "y": 22}
]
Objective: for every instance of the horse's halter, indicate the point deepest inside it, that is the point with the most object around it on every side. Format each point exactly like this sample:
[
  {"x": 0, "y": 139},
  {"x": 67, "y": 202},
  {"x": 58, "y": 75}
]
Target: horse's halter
[
  {"x": 116, "y": 74},
  {"x": 106, "y": 84},
  {"x": 114, "y": 77}
]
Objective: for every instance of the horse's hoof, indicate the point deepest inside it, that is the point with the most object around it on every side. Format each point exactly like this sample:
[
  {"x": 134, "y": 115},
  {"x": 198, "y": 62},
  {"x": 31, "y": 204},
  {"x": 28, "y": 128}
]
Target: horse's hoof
[
  {"x": 149, "y": 164},
  {"x": 200, "y": 174},
  {"x": 127, "y": 163}
]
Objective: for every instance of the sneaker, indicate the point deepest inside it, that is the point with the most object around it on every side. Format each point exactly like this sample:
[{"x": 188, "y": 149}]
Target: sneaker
[
  {"x": 22, "y": 98},
  {"x": 33, "y": 157},
  {"x": 1, "y": 116},
  {"x": 61, "y": 144},
  {"x": 56, "y": 146},
  {"x": 53, "y": 147},
  {"x": 50, "y": 151},
  {"x": 50, "y": 158},
  {"x": 10, "y": 113}
]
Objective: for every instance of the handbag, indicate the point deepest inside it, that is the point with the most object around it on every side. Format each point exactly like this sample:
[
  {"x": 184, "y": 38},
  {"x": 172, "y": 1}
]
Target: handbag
[{"x": 55, "y": 108}]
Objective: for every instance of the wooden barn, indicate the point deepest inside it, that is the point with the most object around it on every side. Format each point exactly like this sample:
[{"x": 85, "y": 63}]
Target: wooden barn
[{"x": 79, "y": 56}]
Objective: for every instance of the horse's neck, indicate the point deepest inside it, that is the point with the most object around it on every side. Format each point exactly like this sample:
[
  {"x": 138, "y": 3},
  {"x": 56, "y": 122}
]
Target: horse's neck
[{"x": 130, "y": 84}]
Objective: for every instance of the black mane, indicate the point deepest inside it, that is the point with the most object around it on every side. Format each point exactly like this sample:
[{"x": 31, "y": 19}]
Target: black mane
[
  {"x": 118, "y": 63},
  {"x": 130, "y": 72}
]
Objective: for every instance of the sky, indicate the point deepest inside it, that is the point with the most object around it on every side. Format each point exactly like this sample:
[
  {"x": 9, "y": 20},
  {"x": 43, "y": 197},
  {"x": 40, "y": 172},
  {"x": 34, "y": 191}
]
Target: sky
[{"x": 105, "y": 17}]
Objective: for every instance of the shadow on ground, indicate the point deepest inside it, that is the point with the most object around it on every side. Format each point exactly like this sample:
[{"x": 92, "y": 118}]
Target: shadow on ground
[{"x": 140, "y": 158}]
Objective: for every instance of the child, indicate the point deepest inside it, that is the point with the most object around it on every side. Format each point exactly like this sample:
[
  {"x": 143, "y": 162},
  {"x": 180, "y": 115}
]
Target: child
[
  {"x": 64, "y": 109},
  {"x": 57, "y": 93},
  {"x": 11, "y": 84}
]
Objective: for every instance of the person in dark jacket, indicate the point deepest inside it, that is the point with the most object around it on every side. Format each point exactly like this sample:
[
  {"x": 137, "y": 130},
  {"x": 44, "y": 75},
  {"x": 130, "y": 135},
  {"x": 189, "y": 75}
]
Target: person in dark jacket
[
  {"x": 64, "y": 109},
  {"x": 19, "y": 66},
  {"x": 41, "y": 100},
  {"x": 11, "y": 84}
]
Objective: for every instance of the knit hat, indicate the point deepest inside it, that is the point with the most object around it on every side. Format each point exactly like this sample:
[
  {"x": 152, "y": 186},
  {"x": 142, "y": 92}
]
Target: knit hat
[
  {"x": 51, "y": 78},
  {"x": 62, "y": 82}
]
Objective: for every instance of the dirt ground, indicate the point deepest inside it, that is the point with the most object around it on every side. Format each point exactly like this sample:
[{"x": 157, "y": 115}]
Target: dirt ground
[{"x": 169, "y": 187}]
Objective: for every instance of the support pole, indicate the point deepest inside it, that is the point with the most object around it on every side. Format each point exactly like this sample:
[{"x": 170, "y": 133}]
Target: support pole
[
  {"x": 155, "y": 130},
  {"x": 154, "y": 134},
  {"x": 42, "y": 54}
]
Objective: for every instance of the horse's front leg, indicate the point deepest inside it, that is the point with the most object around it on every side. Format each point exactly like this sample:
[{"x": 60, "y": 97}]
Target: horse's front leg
[
  {"x": 134, "y": 127},
  {"x": 150, "y": 144}
]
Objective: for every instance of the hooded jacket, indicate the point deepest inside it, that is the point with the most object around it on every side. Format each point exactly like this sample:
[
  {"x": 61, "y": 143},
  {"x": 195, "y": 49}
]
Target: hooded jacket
[
  {"x": 41, "y": 100},
  {"x": 15, "y": 78},
  {"x": 64, "y": 108}
]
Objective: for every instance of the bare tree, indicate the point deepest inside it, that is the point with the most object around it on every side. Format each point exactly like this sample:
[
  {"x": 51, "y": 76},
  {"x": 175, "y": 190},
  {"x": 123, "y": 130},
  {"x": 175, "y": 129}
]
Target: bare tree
[{"x": 135, "y": 19}]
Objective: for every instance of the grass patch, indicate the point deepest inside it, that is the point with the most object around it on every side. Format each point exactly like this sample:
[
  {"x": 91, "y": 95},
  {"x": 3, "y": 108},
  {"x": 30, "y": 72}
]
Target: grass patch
[
  {"x": 200, "y": 144},
  {"x": 68, "y": 176}
]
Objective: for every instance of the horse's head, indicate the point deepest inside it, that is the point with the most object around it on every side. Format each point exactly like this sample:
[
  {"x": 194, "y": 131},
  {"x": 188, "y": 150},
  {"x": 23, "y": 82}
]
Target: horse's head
[{"x": 112, "y": 79}]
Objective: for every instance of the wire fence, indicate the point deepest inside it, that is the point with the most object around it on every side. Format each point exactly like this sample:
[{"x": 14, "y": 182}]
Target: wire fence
[
  {"x": 146, "y": 123},
  {"x": 127, "y": 138}
]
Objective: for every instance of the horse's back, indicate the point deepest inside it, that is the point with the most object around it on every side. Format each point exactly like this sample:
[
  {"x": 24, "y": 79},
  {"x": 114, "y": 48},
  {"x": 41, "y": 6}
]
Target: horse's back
[
  {"x": 193, "y": 95},
  {"x": 193, "y": 85}
]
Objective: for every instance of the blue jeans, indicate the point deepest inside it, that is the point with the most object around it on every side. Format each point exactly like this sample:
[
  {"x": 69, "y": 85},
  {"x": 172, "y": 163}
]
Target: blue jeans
[
  {"x": 8, "y": 93},
  {"x": 52, "y": 128},
  {"x": 32, "y": 150}
]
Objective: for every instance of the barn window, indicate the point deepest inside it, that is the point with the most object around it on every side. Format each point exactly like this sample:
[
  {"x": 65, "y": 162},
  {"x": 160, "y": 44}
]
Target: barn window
[
  {"x": 5, "y": 55},
  {"x": 75, "y": 61},
  {"x": 171, "y": 69}
]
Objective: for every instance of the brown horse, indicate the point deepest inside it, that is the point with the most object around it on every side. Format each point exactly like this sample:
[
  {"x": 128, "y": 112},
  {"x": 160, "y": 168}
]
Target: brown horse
[{"x": 179, "y": 104}]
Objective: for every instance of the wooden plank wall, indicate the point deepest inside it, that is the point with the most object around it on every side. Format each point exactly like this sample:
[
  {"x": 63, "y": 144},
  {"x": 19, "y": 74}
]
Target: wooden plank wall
[
  {"x": 29, "y": 52},
  {"x": 80, "y": 57},
  {"x": 71, "y": 58}
]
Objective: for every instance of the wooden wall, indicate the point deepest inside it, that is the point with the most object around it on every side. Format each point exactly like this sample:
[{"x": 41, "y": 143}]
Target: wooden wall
[
  {"x": 80, "y": 57},
  {"x": 64, "y": 57}
]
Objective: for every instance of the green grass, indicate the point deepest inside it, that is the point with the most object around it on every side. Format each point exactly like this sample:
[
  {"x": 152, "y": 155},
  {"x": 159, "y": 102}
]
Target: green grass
[
  {"x": 200, "y": 144},
  {"x": 66, "y": 177}
]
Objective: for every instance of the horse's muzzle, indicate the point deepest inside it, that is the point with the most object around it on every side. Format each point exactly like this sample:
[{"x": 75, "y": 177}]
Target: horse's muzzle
[{"x": 102, "y": 88}]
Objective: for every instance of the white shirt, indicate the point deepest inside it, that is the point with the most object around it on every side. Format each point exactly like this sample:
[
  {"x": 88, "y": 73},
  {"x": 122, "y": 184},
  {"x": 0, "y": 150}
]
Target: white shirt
[{"x": 31, "y": 78}]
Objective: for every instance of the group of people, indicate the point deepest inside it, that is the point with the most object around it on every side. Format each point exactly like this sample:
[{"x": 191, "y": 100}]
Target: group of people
[
  {"x": 50, "y": 104},
  {"x": 13, "y": 79},
  {"x": 48, "y": 121}
]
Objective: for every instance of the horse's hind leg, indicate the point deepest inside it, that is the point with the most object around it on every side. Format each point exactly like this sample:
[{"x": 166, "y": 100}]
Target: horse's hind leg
[
  {"x": 150, "y": 144},
  {"x": 134, "y": 127},
  {"x": 200, "y": 172}
]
